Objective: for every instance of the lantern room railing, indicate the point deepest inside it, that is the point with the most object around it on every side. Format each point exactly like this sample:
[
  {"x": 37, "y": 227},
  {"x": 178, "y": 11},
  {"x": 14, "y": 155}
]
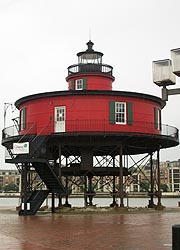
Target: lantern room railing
[
  {"x": 90, "y": 68},
  {"x": 101, "y": 126}
]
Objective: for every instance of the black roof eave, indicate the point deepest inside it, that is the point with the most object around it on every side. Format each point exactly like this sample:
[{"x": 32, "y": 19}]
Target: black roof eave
[{"x": 89, "y": 92}]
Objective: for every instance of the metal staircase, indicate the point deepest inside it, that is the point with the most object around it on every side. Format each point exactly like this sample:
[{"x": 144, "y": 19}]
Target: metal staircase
[
  {"x": 50, "y": 178},
  {"x": 18, "y": 166},
  {"x": 35, "y": 201},
  {"x": 37, "y": 158}
]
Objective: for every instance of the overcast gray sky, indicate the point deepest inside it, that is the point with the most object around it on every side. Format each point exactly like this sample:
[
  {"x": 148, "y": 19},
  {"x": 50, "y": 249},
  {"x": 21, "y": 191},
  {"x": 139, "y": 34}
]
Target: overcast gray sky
[{"x": 39, "y": 39}]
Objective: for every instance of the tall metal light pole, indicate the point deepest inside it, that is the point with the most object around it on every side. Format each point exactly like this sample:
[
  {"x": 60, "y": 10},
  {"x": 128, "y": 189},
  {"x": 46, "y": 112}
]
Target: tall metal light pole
[{"x": 164, "y": 75}]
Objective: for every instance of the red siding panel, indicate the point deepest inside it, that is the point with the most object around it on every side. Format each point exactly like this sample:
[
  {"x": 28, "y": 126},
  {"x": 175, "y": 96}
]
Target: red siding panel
[
  {"x": 93, "y": 82},
  {"x": 89, "y": 113}
]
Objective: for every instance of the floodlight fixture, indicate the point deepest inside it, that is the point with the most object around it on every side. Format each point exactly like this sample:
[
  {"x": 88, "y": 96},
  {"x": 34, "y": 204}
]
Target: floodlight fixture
[
  {"x": 162, "y": 73},
  {"x": 175, "y": 57}
]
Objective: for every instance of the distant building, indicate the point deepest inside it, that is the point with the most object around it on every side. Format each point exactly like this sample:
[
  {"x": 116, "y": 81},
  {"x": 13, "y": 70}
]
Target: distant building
[
  {"x": 9, "y": 176},
  {"x": 174, "y": 175},
  {"x": 169, "y": 175}
]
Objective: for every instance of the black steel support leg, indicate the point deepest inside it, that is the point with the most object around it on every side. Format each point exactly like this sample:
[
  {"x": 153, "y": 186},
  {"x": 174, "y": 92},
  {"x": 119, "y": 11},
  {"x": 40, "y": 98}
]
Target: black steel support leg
[
  {"x": 66, "y": 198},
  {"x": 121, "y": 191},
  {"x": 25, "y": 187},
  {"x": 53, "y": 203},
  {"x": 85, "y": 191},
  {"x": 151, "y": 201},
  {"x": 159, "y": 205},
  {"x": 90, "y": 190},
  {"x": 114, "y": 204},
  {"x": 59, "y": 174}
]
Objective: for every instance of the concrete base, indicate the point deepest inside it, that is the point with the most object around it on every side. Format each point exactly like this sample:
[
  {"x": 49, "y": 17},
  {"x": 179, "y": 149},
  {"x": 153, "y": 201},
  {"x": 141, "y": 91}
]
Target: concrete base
[
  {"x": 159, "y": 207},
  {"x": 114, "y": 204},
  {"x": 151, "y": 204}
]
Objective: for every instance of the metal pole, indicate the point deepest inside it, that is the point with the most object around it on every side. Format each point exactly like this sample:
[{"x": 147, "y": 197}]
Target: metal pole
[
  {"x": 85, "y": 191},
  {"x": 114, "y": 183},
  {"x": 67, "y": 182},
  {"x": 53, "y": 203},
  {"x": 176, "y": 237},
  {"x": 151, "y": 202},
  {"x": 59, "y": 173},
  {"x": 25, "y": 186},
  {"x": 159, "y": 180},
  {"x": 6, "y": 106},
  {"x": 90, "y": 190},
  {"x": 121, "y": 192}
]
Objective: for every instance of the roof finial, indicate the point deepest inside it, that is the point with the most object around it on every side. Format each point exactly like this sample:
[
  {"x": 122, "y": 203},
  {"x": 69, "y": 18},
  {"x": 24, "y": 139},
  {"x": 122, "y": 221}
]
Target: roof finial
[{"x": 90, "y": 45}]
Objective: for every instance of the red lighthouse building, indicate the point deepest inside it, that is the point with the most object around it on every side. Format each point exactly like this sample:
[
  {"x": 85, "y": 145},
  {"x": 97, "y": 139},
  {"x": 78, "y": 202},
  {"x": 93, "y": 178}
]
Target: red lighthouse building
[{"x": 67, "y": 131}]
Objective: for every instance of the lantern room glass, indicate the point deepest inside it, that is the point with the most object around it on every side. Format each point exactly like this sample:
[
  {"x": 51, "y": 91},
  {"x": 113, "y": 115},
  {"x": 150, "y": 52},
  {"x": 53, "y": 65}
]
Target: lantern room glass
[
  {"x": 87, "y": 58},
  {"x": 90, "y": 56}
]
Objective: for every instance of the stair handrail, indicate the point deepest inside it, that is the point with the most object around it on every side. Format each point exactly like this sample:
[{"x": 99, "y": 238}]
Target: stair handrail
[
  {"x": 37, "y": 135},
  {"x": 24, "y": 135},
  {"x": 12, "y": 157}
]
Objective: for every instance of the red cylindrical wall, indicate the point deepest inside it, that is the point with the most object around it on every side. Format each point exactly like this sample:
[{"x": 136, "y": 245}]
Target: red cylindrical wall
[
  {"x": 93, "y": 82},
  {"x": 89, "y": 113}
]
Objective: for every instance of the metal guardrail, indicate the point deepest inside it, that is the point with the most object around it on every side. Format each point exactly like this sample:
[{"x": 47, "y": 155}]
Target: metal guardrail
[
  {"x": 90, "y": 68},
  {"x": 97, "y": 126},
  {"x": 13, "y": 131}
]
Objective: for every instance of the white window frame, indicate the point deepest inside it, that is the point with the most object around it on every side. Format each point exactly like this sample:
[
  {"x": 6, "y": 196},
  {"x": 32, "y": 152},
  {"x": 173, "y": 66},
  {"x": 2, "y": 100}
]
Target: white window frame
[
  {"x": 79, "y": 84},
  {"x": 23, "y": 119},
  {"x": 121, "y": 113},
  {"x": 158, "y": 119}
]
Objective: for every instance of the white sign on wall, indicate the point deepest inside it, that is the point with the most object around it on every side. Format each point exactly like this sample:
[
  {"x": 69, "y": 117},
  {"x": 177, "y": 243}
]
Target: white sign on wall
[{"x": 21, "y": 148}]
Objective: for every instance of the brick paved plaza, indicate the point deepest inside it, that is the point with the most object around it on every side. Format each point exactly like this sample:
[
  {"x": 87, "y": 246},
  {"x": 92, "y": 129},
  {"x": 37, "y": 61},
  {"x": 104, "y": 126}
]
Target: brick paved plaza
[{"x": 105, "y": 231}]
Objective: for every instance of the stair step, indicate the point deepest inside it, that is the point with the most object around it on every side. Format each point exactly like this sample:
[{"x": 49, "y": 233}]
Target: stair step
[
  {"x": 50, "y": 178},
  {"x": 36, "y": 199}
]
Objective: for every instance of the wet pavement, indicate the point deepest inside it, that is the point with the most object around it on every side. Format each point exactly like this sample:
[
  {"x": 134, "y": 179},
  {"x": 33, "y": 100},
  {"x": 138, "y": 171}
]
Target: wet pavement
[{"x": 114, "y": 231}]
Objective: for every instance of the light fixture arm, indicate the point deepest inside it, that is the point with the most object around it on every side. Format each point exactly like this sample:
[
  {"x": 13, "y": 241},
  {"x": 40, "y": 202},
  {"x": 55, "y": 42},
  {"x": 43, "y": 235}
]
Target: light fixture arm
[{"x": 166, "y": 92}]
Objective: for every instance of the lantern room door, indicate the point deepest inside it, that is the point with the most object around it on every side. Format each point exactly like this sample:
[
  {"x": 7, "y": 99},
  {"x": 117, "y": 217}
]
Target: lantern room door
[{"x": 59, "y": 119}]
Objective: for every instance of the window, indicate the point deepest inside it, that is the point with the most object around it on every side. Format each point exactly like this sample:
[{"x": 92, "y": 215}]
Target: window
[
  {"x": 60, "y": 114},
  {"x": 176, "y": 176},
  {"x": 79, "y": 84},
  {"x": 121, "y": 113},
  {"x": 157, "y": 118},
  {"x": 176, "y": 187},
  {"x": 23, "y": 118}
]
